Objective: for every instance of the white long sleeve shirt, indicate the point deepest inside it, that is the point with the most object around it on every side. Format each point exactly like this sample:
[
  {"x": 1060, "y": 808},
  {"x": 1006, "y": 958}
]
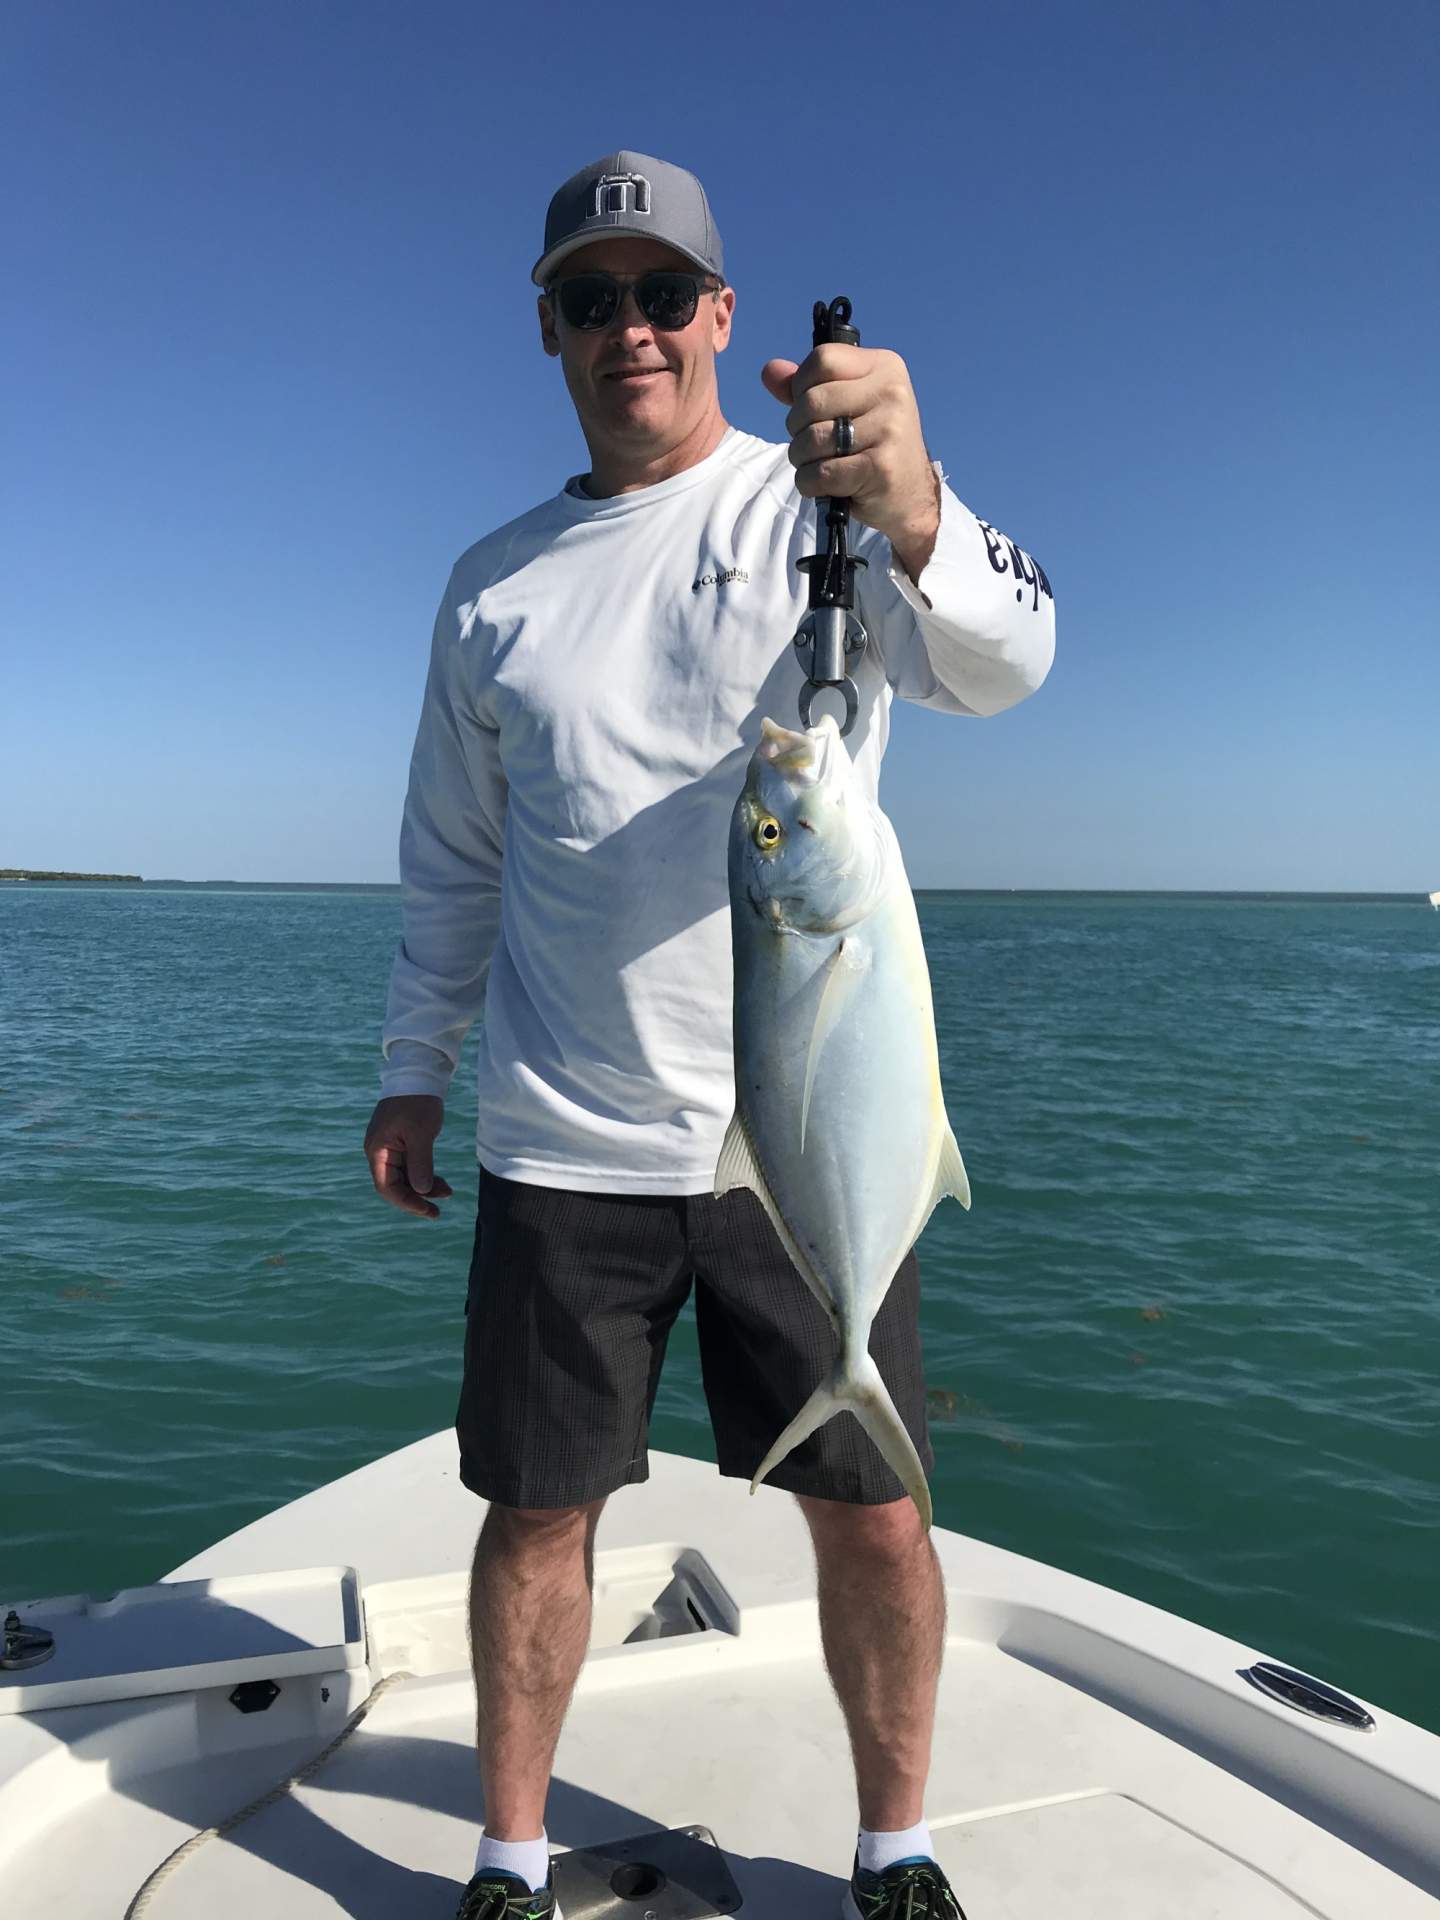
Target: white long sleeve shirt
[{"x": 598, "y": 676}]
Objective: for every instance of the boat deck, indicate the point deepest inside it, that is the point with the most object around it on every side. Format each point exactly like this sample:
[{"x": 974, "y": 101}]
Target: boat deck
[{"x": 1095, "y": 1758}]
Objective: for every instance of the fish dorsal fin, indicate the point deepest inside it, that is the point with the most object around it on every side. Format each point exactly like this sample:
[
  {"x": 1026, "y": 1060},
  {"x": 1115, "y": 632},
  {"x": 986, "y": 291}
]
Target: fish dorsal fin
[
  {"x": 950, "y": 1178},
  {"x": 840, "y": 978},
  {"x": 950, "y": 1175},
  {"x": 738, "y": 1167}
]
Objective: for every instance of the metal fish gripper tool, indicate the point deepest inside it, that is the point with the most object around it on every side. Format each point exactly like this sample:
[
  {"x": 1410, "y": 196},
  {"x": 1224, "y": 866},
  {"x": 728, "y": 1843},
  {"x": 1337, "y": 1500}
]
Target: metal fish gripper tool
[{"x": 831, "y": 638}]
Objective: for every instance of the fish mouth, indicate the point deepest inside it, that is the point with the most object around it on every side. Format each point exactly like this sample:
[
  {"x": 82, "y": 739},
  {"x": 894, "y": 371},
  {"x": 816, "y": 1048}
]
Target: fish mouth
[{"x": 799, "y": 756}]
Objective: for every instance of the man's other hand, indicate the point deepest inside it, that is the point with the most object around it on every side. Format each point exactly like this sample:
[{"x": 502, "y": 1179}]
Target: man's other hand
[{"x": 400, "y": 1144}]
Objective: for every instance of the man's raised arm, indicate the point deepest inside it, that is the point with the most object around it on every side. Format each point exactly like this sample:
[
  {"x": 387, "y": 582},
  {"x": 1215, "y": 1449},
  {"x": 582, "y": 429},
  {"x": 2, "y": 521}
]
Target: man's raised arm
[
  {"x": 963, "y": 619},
  {"x": 976, "y": 632}
]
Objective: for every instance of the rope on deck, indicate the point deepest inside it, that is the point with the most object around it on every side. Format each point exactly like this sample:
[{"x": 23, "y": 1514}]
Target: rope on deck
[{"x": 168, "y": 1865}]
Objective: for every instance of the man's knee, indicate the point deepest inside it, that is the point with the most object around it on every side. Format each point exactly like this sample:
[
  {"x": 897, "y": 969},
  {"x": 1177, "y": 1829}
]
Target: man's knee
[
  {"x": 541, "y": 1531},
  {"x": 891, "y": 1530}
]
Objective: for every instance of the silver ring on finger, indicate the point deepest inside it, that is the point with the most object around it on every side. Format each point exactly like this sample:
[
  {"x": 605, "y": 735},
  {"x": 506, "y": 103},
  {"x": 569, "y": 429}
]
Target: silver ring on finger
[{"x": 844, "y": 438}]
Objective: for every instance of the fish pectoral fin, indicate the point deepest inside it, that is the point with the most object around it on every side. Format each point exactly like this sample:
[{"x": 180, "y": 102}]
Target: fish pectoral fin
[
  {"x": 950, "y": 1175},
  {"x": 840, "y": 978},
  {"x": 738, "y": 1167}
]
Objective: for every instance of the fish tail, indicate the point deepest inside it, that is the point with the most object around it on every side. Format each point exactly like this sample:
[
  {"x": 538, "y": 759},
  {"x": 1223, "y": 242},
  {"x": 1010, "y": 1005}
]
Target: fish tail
[
  {"x": 872, "y": 1406},
  {"x": 856, "y": 1387}
]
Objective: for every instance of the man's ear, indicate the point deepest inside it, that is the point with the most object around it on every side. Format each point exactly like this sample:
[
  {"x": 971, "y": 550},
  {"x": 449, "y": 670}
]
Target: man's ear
[{"x": 548, "y": 338}]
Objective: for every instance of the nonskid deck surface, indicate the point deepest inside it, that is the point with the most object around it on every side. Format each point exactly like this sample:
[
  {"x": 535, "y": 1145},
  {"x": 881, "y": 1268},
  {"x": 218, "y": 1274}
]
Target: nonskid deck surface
[{"x": 1046, "y": 1801}]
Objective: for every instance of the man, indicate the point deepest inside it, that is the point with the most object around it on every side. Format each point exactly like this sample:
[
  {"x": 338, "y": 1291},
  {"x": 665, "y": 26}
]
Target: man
[{"x": 599, "y": 672}]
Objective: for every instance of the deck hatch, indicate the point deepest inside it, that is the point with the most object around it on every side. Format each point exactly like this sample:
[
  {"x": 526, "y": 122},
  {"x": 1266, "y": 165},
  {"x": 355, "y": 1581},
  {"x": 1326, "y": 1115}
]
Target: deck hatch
[{"x": 177, "y": 1635}]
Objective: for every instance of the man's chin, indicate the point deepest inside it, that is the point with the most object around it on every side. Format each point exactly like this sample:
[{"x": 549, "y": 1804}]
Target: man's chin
[
  {"x": 637, "y": 421},
  {"x": 647, "y": 401}
]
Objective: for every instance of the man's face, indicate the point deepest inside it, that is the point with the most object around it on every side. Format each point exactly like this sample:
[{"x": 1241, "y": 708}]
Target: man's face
[{"x": 637, "y": 387}]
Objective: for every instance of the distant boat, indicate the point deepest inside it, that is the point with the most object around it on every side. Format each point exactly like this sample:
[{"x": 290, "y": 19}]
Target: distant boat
[{"x": 1435, "y": 899}]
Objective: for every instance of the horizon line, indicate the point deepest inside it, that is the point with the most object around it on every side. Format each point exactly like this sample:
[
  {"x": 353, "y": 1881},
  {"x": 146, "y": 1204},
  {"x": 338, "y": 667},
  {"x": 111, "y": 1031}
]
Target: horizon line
[{"x": 15, "y": 878}]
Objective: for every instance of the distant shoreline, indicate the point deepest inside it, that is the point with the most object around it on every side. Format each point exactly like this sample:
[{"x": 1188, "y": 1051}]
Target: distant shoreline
[{"x": 70, "y": 879}]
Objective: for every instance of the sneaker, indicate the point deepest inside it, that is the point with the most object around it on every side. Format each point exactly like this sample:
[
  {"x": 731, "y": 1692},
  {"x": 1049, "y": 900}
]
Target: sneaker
[
  {"x": 505, "y": 1896},
  {"x": 910, "y": 1890}
]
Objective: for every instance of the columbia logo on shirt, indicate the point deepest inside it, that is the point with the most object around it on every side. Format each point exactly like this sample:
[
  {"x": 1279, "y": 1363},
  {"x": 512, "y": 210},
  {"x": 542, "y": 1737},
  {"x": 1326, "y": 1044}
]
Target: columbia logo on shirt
[
  {"x": 721, "y": 579},
  {"x": 1028, "y": 572}
]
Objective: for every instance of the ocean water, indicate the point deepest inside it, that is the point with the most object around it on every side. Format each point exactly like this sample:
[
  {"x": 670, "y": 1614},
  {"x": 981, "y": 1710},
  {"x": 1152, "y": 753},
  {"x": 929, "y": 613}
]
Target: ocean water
[{"x": 1187, "y": 1343}]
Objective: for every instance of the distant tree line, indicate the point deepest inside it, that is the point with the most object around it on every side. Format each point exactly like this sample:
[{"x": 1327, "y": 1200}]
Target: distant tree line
[{"x": 34, "y": 873}]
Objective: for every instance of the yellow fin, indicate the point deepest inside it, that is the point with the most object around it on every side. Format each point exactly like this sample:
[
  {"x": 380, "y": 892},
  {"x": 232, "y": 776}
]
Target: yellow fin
[
  {"x": 950, "y": 1175},
  {"x": 736, "y": 1166}
]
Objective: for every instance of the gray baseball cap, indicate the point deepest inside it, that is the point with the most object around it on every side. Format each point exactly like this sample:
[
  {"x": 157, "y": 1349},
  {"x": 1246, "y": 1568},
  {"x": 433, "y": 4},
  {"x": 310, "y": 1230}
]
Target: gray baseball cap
[{"x": 630, "y": 193}]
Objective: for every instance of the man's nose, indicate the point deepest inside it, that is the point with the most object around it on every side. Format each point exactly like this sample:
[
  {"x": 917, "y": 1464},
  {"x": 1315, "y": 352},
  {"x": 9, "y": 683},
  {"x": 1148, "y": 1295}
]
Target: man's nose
[{"x": 629, "y": 297}]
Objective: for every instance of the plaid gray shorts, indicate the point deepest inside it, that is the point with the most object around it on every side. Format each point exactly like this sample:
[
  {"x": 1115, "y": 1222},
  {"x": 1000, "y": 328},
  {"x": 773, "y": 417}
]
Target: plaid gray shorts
[{"x": 570, "y": 1301}]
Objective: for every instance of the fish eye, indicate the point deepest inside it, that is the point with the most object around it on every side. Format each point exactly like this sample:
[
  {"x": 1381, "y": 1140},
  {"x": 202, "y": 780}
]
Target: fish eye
[{"x": 767, "y": 832}]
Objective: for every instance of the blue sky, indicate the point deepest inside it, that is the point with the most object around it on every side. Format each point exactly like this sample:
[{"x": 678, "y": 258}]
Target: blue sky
[{"x": 1164, "y": 276}]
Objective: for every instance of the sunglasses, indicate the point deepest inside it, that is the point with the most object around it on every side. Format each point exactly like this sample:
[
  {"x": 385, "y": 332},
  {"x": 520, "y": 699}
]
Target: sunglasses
[{"x": 590, "y": 301}]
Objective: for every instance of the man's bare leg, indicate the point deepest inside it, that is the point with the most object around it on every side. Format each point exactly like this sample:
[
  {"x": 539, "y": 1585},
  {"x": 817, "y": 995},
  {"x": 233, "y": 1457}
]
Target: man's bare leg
[
  {"x": 882, "y": 1624},
  {"x": 530, "y": 1590}
]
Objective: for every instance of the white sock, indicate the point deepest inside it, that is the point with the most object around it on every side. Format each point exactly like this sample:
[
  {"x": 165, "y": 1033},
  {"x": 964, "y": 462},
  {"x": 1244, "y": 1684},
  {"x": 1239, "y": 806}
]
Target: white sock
[
  {"x": 881, "y": 1850},
  {"x": 528, "y": 1860}
]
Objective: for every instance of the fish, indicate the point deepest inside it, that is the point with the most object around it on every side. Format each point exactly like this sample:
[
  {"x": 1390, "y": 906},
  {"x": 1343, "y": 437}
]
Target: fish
[{"x": 840, "y": 1126}]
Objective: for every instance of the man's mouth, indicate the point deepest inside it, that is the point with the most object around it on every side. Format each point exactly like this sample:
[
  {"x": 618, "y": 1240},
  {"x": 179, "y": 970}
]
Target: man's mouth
[{"x": 636, "y": 374}]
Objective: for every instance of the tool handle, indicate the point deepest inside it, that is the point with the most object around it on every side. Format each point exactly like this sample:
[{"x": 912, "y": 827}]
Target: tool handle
[
  {"x": 830, "y": 631},
  {"x": 832, "y": 573}
]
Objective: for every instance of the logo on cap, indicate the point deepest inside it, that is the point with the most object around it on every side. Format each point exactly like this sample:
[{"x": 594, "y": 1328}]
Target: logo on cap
[{"x": 614, "y": 190}]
